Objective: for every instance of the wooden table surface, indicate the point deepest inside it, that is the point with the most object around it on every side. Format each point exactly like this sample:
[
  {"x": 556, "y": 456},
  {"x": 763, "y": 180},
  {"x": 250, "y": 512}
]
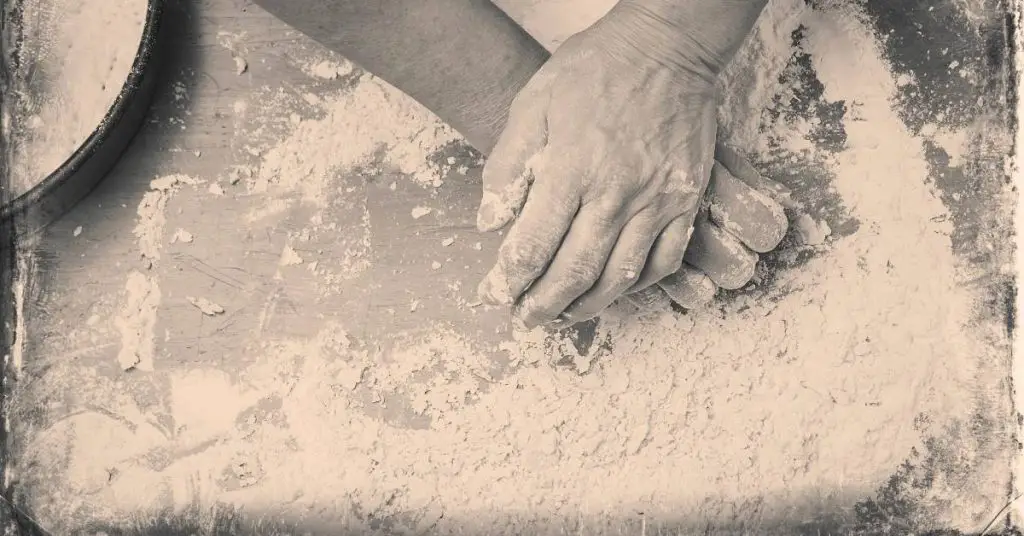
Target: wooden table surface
[
  {"x": 88, "y": 263},
  {"x": 195, "y": 131},
  {"x": 199, "y": 130}
]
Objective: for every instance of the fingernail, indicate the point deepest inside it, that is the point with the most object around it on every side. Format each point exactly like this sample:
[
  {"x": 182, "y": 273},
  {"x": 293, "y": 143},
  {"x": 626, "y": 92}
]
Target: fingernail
[
  {"x": 489, "y": 216},
  {"x": 494, "y": 290},
  {"x": 518, "y": 324},
  {"x": 521, "y": 317},
  {"x": 483, "y": 292},
  {"x": 485, "y": 218},
  {"x": 780, "y": 188}
]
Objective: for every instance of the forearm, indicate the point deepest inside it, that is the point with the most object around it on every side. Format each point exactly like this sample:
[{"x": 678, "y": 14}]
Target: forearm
[{"x": 465, "y": 60}]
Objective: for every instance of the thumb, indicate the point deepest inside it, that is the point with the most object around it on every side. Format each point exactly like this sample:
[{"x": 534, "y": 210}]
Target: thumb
[{"x": 507, "y": 175}]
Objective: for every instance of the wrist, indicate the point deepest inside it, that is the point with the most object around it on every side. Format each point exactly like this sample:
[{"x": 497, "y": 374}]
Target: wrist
[{"x": 695, "y": 36}]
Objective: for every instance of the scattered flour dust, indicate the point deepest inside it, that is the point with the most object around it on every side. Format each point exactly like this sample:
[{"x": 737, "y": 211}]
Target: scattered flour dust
[
  {"x": 774, "y": 406},
  {"x": 357, "y": 123},
  {"x": 365, "y": 126},
  {"x": 76, "y": 56},
  {"x": 136, "y": 320},
  {"x": 205, "y": 306},
  {"x": 328, "y": 69},
  {"x": 785, "y": 395}
]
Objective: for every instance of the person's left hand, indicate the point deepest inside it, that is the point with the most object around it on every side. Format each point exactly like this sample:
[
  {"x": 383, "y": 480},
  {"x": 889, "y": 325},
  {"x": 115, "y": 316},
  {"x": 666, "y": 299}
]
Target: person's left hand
[{"x": 605, "y": 149}]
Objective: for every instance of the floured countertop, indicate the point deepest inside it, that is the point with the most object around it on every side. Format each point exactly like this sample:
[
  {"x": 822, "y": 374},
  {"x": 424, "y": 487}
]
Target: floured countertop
[{"x": 266, "y": 315}]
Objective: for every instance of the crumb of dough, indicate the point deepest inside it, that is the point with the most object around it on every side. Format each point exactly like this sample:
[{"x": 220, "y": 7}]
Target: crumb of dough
[
  {"x": 289, "y": 257},
  {"x": 207, "y": 307},
  {"x": 183, "y": 236},
  {"x": 240, "y": 65}
]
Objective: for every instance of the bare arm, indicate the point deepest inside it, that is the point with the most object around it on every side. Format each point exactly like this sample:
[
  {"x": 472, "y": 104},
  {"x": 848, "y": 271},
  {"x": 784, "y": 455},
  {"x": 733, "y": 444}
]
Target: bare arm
[{"x": 465, "y": 60}]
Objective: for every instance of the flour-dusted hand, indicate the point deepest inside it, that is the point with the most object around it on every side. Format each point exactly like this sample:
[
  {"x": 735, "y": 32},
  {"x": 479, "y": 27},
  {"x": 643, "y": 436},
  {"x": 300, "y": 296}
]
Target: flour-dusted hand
[
  {"x": 610, "y": 151},
  {"x": 609, "y": 147}
]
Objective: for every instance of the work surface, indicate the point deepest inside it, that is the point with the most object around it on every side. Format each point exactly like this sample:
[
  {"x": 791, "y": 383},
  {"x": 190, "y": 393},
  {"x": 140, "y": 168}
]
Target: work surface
[{"x": 266, "y": 315}]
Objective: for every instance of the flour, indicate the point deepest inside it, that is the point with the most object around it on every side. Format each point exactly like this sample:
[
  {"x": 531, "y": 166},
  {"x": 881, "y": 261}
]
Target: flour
[
  {"x": 152, "y": 218},
  {"x": 798, "y": 395},
  {"x": 136, "y": 320},
  {"x": 182, "y": 236},
  {"x": 366, "y": 127},
  {"x": 782, "y": 392},
  {"x": 357, "y": 122},
  {"x": 328, "y": 69},
  {"x": 25, "y": 268},
  {"x": 205, "y": 306},
  {"x": 1016, "y": 170},
  {"x": 76, "y": 57}
]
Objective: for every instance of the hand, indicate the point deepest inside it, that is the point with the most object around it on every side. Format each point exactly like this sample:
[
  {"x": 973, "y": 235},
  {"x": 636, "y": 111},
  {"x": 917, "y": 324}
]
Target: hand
[
  {"x": 615, "y": 151},
  {"x": 745, "y": 215}
]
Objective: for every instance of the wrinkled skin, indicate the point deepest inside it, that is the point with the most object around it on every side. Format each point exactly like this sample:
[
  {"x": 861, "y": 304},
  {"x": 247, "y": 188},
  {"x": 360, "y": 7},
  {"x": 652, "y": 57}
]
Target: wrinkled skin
[{"x": 602, "y": 170}]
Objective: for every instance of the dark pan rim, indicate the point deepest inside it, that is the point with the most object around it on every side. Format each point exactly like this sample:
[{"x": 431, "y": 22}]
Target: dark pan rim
[{"x": 68, "y": 172}]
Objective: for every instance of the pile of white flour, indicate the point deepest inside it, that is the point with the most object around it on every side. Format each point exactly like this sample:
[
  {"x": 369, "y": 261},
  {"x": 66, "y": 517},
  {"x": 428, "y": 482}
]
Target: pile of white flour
[{"x": 75, "y": 56}]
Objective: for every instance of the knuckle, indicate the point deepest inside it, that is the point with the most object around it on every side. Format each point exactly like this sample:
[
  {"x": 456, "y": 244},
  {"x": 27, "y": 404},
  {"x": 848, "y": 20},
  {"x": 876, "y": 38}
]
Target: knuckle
[
  {"x": 571, "y": 285},
  {"x": 604, "y": 212},
  {"x": 624, "y": 277},
  {"x": 621, "y": 184},
  {"x": 580, "y": 275},
  {"x": 608, "y": 287}
]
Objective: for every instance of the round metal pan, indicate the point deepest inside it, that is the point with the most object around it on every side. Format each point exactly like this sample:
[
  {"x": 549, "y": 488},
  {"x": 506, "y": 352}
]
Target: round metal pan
[{"x": 51, "y": 198}]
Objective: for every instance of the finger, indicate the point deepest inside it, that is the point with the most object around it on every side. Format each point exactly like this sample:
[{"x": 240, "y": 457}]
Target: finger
[
  {"x": 720, "y": 255},
  {"x": 753, "y": 217},
  {"x": 623, "y": 268},
  {"x": 649, "y": 297},
  {"x": 741, "y": 168},
  {"x": 507, "y": 175},
  {"x": 666, "y": 254},
  {"x": 689, "y": 287},
  {"x": 534, "y": 238},
  {"x": 576, "y": 267}
]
